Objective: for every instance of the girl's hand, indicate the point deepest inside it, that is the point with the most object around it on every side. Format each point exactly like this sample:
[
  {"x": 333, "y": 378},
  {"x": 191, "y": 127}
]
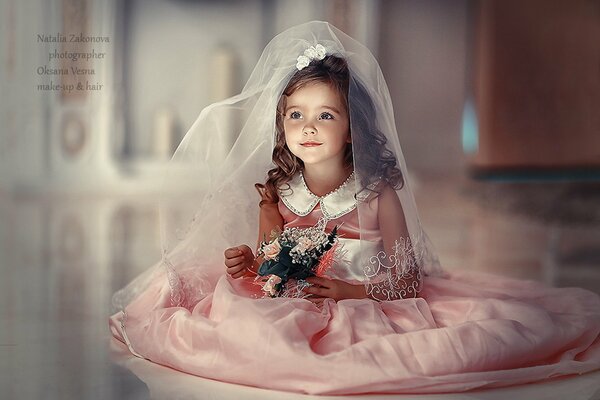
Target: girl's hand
[
  {"x": 334, "y": 289},
  {"x": 238, "y": 260}
]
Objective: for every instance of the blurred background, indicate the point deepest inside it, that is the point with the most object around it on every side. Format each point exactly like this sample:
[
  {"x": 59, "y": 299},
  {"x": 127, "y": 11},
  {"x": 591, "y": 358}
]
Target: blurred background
[{"x": 497, "y": 105}]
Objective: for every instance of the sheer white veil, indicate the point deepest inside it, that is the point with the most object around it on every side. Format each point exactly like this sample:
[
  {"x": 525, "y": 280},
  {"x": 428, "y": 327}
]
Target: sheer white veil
[{"x": 220, "y": 209}]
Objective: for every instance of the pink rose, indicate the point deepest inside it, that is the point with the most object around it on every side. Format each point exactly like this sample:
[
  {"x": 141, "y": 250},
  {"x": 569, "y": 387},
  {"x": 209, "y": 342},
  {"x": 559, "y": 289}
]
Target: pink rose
[{"x": 272, "y": 250}]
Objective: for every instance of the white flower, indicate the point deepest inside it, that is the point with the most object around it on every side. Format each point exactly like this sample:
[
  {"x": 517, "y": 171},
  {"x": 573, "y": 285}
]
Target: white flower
[
  {"x": 321, "y": 51},
  {"x": 303, "y": 61},
  {"x": 311, "y": 52},
  {"x": 304, "y": 244},
  {"x": 317, "y": 52},
  {"x": 269, "y": 286}
]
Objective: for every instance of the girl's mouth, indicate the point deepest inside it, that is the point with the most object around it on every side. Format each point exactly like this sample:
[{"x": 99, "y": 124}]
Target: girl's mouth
[{"x": 311, "y": 144}]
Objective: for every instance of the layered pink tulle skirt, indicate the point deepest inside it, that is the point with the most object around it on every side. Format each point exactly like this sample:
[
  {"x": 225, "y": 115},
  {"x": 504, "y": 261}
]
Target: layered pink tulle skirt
[{"x": 466, "y": 331}]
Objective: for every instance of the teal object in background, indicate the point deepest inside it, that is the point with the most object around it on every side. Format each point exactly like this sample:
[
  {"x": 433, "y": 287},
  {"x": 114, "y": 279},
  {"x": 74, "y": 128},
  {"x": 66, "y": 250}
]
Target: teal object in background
[{"x": 470, "y": 128}]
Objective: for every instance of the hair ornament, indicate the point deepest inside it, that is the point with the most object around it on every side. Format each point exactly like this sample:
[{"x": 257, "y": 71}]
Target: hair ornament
[{"x": 316, "y": 52}]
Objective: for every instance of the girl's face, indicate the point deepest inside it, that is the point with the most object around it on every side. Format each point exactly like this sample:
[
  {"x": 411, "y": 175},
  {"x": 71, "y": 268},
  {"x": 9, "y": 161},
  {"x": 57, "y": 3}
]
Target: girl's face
[{"x": 316, "y": 125}]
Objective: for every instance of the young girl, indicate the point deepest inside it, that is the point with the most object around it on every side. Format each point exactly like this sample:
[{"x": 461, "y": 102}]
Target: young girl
[
  {"x": 380, "y": 316},
  {"x": 314, "y": 147}
]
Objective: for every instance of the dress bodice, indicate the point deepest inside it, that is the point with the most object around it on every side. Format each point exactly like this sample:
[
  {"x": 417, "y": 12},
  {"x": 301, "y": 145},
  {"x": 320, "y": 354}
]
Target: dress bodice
[{"x": 301, "y": 208}]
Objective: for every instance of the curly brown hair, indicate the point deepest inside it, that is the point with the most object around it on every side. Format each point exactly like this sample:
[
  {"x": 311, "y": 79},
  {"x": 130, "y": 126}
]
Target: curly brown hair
[{"x": 377, "y": 163}]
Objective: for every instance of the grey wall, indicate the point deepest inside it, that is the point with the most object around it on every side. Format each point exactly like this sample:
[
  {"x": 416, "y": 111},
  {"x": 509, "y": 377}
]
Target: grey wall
[
  {"x": 422, "y": 53},
  {"x": 171, "y": 44}
]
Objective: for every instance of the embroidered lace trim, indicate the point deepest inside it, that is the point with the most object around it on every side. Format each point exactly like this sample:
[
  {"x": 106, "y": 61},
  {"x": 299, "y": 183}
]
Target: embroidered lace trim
[{"x": 397, "y": 276}]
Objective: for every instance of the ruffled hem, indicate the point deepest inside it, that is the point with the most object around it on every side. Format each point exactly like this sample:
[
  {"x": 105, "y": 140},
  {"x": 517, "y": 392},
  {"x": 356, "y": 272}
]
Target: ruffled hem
[{"x": 467, "y": 331}]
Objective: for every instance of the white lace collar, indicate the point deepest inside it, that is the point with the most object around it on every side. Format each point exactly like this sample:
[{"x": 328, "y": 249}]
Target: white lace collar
[{"x": 301, "y": 201}]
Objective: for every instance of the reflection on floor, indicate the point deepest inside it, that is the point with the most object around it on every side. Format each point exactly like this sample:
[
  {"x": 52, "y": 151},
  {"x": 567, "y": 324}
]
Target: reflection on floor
[{"x": 63, "y": 256}]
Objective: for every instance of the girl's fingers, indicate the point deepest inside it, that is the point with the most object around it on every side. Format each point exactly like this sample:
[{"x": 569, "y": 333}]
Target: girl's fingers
[
  {"x": 315, "y": 280},
  {"x": 235, "y": 269},
  {"x": 233, "y": 252},
  {"x": 244, "y": 250},
  {"x": 239, "y": 274},
  {"x": 316, "y": 291},
  {"x": 232, "y": 262}
]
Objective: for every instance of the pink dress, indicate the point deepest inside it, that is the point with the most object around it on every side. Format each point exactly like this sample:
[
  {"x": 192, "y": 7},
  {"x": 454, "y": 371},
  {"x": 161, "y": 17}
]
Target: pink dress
[{"x": 467, "y": 330}]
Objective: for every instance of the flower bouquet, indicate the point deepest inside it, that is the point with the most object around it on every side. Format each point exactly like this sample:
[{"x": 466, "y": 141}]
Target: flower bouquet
[{"x": 294, "y": 253}]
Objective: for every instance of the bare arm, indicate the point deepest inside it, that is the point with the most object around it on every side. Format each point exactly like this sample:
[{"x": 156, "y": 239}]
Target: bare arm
[
  {"x": 239, "y": 260},
  {"x": 392, "y": 223},
  {"x": 393, "y": 228}
]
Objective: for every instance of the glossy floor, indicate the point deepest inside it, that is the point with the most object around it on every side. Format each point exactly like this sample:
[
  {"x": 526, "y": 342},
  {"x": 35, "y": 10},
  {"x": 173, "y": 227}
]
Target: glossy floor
[{"x": 63, "y": 256}]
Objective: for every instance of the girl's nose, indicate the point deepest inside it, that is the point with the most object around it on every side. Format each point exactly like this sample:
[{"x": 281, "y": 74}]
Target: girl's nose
[{"x": 309, "y": 130}]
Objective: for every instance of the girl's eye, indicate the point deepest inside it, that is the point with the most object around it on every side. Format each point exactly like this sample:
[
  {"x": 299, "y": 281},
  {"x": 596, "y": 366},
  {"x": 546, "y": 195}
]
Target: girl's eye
[
  {"x": 295, "y": 115},
  {"x": 325, "y": 115}
]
